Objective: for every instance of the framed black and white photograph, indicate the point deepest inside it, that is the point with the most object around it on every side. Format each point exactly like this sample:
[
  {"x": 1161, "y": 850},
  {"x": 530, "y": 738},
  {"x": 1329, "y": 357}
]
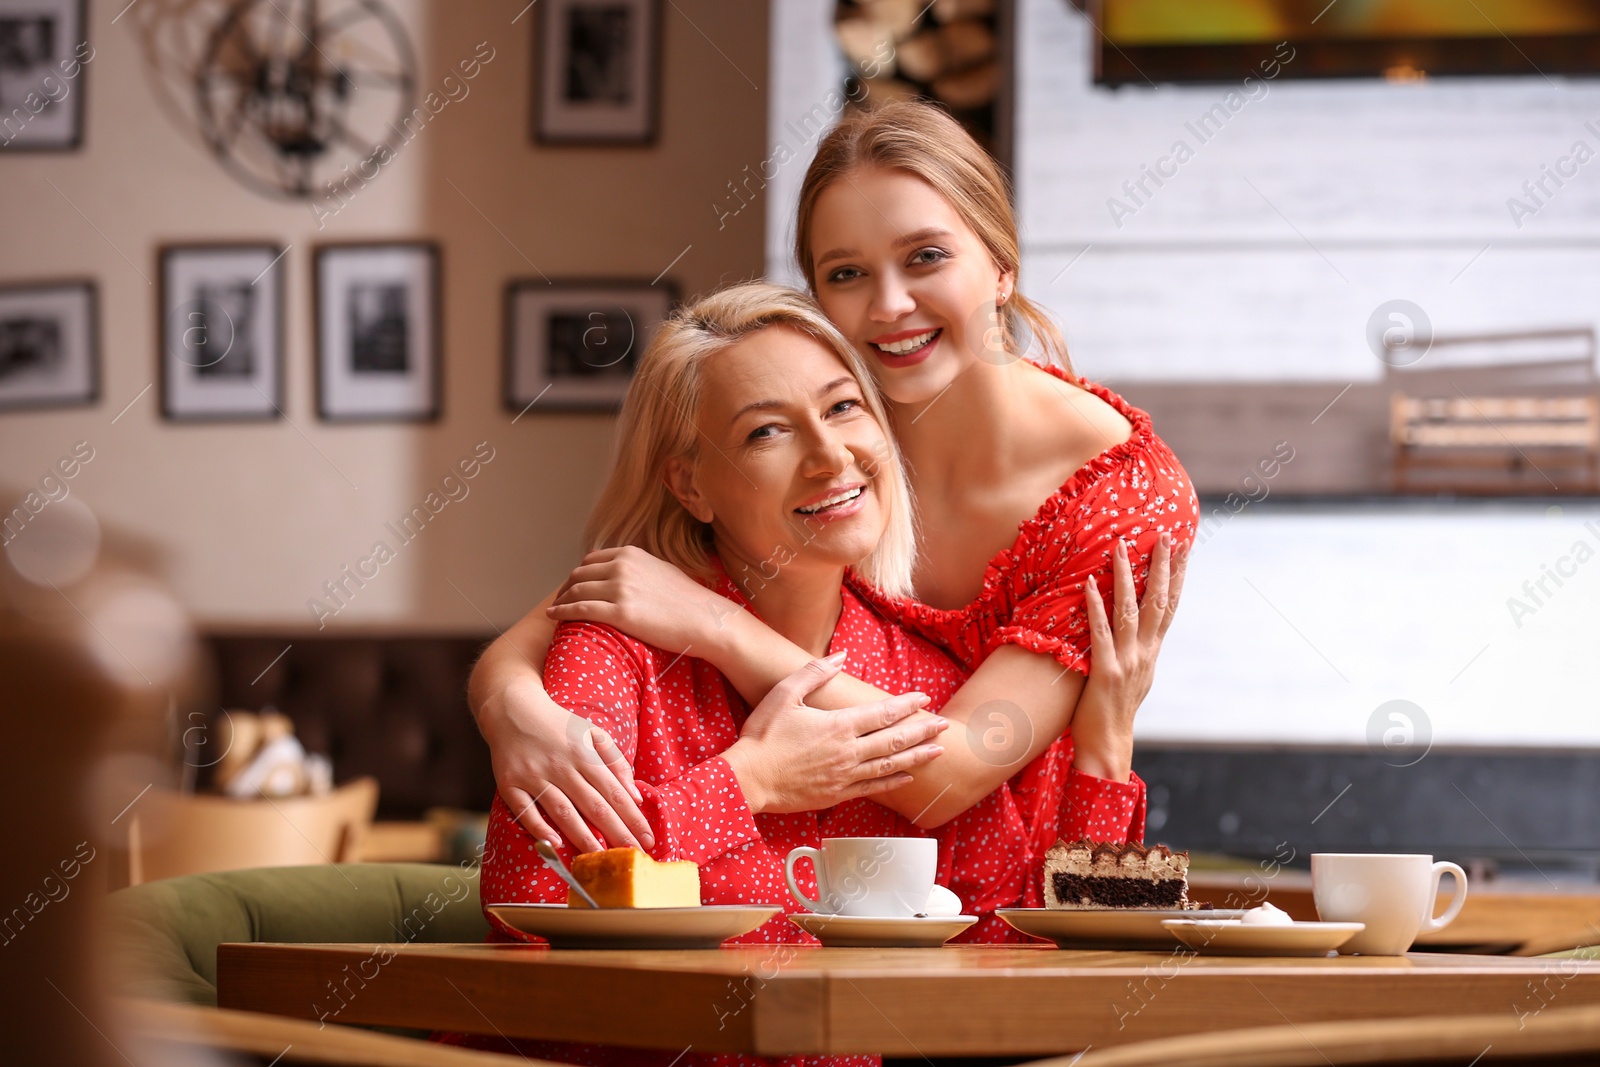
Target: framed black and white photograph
[
  {"x": 49, "y": 348},
  {"x": 222, "y": 331},
  {"x": 598, "y": 71},
  {"x": 44, "y": 51},
  {"x": 378, "y": 331},
  {"x": 572, "y": 346}
]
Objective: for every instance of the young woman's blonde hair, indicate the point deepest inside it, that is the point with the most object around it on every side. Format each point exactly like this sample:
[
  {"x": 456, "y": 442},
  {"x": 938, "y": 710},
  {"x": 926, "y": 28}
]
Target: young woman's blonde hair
[
  {"x": 925, "y": 141},
  {"x": 658, "y": 424}
]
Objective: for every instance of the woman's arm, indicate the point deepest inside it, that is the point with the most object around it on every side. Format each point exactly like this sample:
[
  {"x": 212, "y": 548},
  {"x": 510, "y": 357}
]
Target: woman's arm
[
  {"x": 550, "y": 763},
  {"x": 701, "y": 809},
  {"x": 1010, "y": 710},
  {"x": 551, "y": 768},
  {"x": 546, "y": 761}
]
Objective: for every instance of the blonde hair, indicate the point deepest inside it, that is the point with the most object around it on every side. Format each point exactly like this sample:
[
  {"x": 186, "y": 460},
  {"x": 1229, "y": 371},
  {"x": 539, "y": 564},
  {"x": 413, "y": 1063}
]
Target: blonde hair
[
  {"x": 658, "y": 424},
  {"x": 926, "y": 142}
]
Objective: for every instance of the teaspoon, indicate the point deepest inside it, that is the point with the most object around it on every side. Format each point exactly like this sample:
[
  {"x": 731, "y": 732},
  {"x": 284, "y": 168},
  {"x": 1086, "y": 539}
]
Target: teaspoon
[{"x": 552, "y": 859}]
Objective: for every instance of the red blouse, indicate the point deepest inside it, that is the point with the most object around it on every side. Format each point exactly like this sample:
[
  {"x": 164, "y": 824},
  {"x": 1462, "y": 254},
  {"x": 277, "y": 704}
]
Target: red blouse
[
  {"x": 671, "y": 715},
  {"x": 1032, "y": 597}
]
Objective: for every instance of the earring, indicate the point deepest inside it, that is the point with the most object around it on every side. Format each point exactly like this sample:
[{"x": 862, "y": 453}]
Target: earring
[{"x": 1004, "y": 297}]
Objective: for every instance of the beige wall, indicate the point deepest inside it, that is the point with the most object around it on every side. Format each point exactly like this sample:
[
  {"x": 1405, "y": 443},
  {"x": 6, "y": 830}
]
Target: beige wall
[{"x": 247, "y": 521}]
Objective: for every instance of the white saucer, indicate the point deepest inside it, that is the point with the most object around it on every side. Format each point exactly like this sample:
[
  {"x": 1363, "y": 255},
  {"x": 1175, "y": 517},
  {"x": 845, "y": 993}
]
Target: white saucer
[
  {"x": 870, "y": 931},
  {"x": 707, "y": 926},
  {"x": 1105, "y": 927},
  {"x": 1234, "y": 938}
]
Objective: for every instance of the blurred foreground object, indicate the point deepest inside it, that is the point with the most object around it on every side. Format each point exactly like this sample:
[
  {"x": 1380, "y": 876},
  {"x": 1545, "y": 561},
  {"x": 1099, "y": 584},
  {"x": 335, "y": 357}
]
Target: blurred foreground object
[
  {"x": 92, "y": 658},
  {"x": 182, "y": 1033}
]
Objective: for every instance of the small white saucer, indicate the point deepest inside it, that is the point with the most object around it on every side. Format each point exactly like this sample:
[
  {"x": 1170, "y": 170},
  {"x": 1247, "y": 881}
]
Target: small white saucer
[
  {"x": 871, "y": 931},
  {"x": 1230, "y": 937}
]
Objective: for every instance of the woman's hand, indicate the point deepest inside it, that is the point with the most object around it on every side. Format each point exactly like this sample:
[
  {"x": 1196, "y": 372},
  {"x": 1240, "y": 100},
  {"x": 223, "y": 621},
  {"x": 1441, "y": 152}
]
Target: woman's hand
[
  {"x": 1123, "y": 657},
  {"x": 644, "y": 597},
  {"x": 555, "y": 769},
  {"x": 793, "y": 757}
]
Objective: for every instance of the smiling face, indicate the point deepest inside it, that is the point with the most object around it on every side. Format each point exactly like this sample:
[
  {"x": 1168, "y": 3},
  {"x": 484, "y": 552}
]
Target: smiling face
[
  {"x": 787, "y": 466},
  {"x": 901, "y": 273}
]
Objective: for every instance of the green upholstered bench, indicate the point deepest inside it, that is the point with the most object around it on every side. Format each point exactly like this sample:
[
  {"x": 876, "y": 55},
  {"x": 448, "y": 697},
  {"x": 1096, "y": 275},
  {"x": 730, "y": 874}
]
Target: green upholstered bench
[{"x": 163, "y": 935}]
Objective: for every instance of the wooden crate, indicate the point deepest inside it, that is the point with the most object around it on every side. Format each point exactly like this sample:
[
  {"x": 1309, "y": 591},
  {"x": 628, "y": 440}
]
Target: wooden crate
[{"x": 1507, "y": 433}]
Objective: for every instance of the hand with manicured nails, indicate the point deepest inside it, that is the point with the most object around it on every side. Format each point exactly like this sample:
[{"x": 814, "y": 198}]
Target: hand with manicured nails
[
  {"x": 562, "y": 777},
  {"x": 556, "y": 769},
  {"x": 793, "y": 757},
  {"x": 644, "y": 597},
  {"x": 1123, "y": 657}
]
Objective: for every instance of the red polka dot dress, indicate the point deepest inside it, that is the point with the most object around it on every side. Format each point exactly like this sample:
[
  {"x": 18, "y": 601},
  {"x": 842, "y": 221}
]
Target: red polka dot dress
[
  {"x": 671, "y": 715},
  {"x": 1032, "y": 597}
]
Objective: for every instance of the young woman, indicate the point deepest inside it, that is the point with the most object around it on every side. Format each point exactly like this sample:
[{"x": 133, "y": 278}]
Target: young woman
[
  {"x": 1029, "y": 484},
  {"x": 749, "y": 410}
]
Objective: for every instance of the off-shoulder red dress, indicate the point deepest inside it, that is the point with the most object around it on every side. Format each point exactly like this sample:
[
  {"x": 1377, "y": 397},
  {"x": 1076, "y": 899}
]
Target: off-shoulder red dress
[{"x": 1032, "y": 597}]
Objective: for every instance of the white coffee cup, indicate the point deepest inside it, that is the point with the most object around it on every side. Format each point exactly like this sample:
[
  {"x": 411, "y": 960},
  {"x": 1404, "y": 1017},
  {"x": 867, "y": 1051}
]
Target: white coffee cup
[
  {"x": 871, "y": 876},
  {"x": 1393, "y": 893}
]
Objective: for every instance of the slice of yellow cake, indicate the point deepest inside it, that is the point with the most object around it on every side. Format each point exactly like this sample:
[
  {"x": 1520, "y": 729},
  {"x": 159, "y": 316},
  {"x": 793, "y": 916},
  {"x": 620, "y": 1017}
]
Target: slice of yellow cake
[{"x": 627, "y": 878}]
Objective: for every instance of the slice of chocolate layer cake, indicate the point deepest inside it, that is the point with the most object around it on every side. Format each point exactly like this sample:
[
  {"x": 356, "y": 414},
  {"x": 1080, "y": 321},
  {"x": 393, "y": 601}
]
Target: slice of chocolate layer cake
[{"x": 1086, "y": 874}]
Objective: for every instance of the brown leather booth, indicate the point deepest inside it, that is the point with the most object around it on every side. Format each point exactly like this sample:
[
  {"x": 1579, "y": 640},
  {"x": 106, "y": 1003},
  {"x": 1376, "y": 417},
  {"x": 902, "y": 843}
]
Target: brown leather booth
[{"x": 394, "y": 708}]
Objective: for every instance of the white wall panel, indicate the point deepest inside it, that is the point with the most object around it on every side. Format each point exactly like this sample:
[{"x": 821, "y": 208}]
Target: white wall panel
[{"x": 1224, "y": 270}]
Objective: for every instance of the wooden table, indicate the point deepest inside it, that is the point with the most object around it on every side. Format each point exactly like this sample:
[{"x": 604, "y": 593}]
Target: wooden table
[{"x": 788, "y": 999}]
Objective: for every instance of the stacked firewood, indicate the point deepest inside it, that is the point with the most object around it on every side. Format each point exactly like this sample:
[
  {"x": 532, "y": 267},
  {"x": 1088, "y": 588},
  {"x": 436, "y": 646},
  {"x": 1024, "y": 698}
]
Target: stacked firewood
[{"x": 947, "y": 50}]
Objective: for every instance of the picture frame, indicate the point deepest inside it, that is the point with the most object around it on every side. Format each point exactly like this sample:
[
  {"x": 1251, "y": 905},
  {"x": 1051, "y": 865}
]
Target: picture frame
[
  {"x": 572, "y": 345},
  {"x": 597, "y": 74},
  {"x": 221, "y": 345},
  {"x": 49, "y": 345},
  {"x": 377, "y": 323},
  {"x": 44, "y": 53}
]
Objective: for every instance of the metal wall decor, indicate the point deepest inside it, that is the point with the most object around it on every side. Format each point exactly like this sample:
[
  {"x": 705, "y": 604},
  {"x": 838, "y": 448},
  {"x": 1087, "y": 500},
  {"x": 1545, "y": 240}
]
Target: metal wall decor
[{"x": 293, "y": 94}]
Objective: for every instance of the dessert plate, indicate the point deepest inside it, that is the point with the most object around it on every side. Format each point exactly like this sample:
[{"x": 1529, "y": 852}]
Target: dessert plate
[
  {"x": 1233, "y": 938},
  {"x": 1104, "y": 927},
  {"x": 707, "y": 926},
  {"x": 862, "y": 931}
]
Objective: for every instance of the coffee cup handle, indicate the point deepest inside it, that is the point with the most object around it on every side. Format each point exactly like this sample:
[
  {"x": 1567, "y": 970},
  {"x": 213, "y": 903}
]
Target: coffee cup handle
[
  {"x": 1440, "y": 869},
  {"x": 789, "y": 861}
]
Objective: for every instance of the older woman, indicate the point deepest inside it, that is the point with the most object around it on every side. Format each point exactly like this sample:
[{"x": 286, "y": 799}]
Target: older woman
[{"x": 753, "y": 441}]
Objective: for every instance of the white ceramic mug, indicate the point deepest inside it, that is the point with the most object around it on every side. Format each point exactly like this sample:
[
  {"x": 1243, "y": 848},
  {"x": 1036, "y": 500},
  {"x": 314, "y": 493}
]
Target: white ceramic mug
[
  {"x": 873, "y": 876},
  {"x": 1393, "y": 893}
]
